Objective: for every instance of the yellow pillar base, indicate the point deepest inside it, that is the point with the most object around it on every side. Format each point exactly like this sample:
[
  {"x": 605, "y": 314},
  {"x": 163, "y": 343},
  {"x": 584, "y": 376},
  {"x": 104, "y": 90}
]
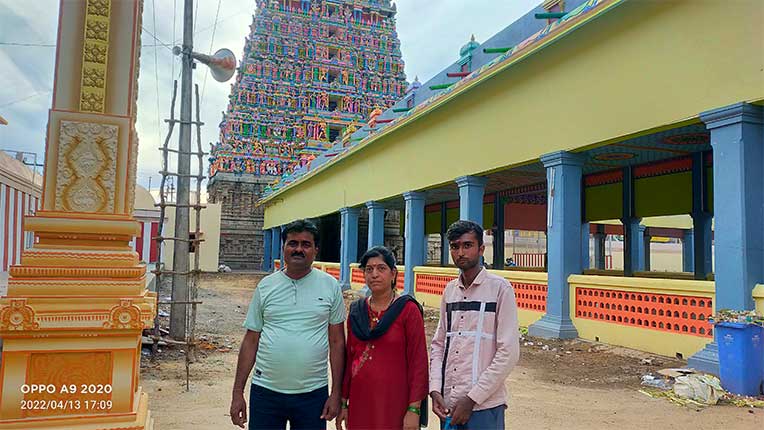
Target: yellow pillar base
[{"x": 71, "y": 326}]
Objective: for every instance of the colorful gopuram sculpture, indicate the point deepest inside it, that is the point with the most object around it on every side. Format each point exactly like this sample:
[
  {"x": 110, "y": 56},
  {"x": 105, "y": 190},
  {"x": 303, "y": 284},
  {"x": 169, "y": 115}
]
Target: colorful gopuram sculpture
[
  {"x": 75, "y": 308},
  {"x": 311, "y": 69}
]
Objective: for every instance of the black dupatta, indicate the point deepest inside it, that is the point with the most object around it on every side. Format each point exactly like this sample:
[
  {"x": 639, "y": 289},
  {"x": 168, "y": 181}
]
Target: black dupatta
[{"x": 359, "y": 317}]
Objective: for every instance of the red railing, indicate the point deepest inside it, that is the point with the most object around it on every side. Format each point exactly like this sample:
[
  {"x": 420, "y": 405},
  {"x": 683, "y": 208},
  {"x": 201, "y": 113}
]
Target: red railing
[
  {"x": 664, "y": 312},
  {"x": 529, "y": 259},
  {"x": 356, "y": 276},
  {"x": 334, "y": 271},
  {"x": 531, "y": 297},
  {"x": 400, "y": 279},
  {"x": 432, "y": 284}
]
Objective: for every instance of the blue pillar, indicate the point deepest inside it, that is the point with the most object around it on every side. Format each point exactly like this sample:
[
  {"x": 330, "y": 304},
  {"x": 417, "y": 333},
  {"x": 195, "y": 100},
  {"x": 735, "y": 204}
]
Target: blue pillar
[
  {"x": 413, "y": 233},
  {"x": 584, "y": 246},
  {"x": 279, "y": 232},
  {"x": 471, "y": 191},
  {"x": 688, "y": 245},
  {"x": 444, "y": 246},
  {"x": 498, "y": 234},
  {"x": 632, "y": 236},
  {"x": 641, "y": 251},
  {"x": 348, "y": 243},
  {"x": 701, "y": 252},
  {"x": 599, "y": 247},
  {"x": 737, "y": 139},
  {"x": 633, "y": 245},
  {"x": 646, "y": 240},
  {"x": 564, "y": 171},
  {"x": 267, "y": 265},
  {"x": 376, "y": 224},
  {"x": 701, "y": 218},
  {"x": 276, "y": 246}
]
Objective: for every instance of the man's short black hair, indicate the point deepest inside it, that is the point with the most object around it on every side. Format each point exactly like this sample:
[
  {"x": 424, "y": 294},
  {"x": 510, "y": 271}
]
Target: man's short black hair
[
  {"x": 457, "y": 229},
  {"x": 300, "y": 226}
]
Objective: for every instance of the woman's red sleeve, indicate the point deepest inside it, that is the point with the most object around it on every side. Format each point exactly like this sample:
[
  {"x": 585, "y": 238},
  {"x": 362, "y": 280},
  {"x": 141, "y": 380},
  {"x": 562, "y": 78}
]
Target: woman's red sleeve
[{"x": 416, "y": 354}]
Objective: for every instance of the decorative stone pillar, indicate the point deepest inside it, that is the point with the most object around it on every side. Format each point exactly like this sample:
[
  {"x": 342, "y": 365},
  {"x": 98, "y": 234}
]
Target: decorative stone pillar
[{"x": 77, "y": 303}]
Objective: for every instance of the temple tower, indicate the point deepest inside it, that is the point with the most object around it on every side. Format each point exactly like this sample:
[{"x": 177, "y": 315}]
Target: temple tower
[{"x": 310, "y": 70}]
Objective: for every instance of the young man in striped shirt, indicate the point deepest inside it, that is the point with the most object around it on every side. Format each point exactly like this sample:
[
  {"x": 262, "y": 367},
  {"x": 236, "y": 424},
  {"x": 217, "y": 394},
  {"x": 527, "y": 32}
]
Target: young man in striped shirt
[{"x": 477, "y": 342}]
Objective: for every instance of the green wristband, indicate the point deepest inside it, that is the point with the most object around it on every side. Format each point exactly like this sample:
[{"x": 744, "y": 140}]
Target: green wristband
[
  {"x": 344, "y": 404},
  {"x": 414, "y": 409}
]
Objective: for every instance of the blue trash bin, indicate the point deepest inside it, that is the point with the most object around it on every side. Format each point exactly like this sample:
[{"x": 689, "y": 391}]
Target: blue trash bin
[{"x": 740, "y": 357}]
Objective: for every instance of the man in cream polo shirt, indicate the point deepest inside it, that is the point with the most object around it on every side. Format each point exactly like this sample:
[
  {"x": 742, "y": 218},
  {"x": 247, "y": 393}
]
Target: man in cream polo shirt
[{"x": 294, "y": 321}]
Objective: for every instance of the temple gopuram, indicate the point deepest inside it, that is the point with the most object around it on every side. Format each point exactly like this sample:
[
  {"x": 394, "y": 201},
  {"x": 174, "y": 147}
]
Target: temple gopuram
[{"x": 311, "y": 72}]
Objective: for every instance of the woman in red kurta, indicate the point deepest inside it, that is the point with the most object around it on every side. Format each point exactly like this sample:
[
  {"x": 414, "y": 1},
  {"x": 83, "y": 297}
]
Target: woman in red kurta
[{"x": 386, "y": 375}]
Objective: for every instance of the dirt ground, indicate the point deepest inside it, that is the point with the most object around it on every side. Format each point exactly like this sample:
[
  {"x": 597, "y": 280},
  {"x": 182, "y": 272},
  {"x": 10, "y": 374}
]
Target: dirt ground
[{"x": 557, "y": 384}]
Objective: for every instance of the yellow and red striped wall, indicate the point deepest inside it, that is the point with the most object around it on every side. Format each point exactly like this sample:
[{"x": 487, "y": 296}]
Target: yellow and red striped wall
[{"x": 145, "y": 244}]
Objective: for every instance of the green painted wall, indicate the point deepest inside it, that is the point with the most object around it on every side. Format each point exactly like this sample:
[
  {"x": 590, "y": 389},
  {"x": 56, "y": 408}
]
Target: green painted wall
[
  {"x": 487, "y": 215},
  {"x": 452, "y": 215},
  {"x": 663, "y": 195},
  {"x": 432, "y": 222},
  {"x": 603, "y": 202},
  {"x": 432, "y": 219}
]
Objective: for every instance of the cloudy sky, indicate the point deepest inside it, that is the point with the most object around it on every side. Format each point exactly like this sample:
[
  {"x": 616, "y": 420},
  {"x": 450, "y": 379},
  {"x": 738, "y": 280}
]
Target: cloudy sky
[{"x": 431, "y": 33}]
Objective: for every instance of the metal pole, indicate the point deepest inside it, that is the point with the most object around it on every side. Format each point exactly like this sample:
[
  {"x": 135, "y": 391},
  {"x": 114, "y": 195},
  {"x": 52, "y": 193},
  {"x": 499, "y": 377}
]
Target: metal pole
[{"x": 180, "y": 249}]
